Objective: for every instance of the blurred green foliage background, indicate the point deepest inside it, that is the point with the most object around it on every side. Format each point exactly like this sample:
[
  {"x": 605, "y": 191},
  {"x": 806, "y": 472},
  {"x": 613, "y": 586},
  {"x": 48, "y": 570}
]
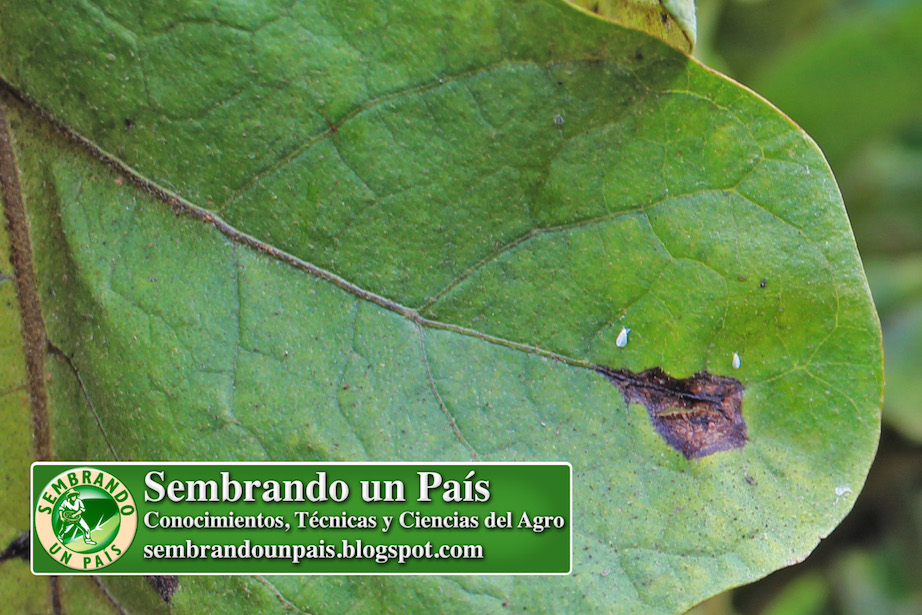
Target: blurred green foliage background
[{"x": 850, "y": 73}]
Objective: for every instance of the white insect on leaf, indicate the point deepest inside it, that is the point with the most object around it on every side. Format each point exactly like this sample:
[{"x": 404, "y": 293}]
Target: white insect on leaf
[
  {"x": 736, "y": 361},
  {"x": 621, "y": 342},
  {"x": 840, "y": 492}
]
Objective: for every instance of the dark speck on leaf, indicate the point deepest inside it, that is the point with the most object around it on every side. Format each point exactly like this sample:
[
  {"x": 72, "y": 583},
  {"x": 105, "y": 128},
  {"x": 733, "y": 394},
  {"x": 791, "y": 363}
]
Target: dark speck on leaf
[
  {"x": 664, "y": 17},
  {"x": 18, "y": 548},
  {"x": 129, "y": 123},
  {"x": 763, "y": 283},
  {"x": 165, "y": 585},
  {"x": 558, "y": 120}
]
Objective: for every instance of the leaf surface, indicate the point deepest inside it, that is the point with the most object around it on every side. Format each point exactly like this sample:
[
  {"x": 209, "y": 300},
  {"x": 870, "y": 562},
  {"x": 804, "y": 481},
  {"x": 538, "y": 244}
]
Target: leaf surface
[
  {"x": 672, "y": 21},
  {"x": 878, "y": 157},
  {"x": 387, "y": 231},
  {"x": 31, "y": 593}
]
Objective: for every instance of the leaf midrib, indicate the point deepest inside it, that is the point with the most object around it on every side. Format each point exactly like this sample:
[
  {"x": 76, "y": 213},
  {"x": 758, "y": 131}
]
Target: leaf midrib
[
  {"x": 238, "y": 237},
  {"x": 182, "y": 206}
]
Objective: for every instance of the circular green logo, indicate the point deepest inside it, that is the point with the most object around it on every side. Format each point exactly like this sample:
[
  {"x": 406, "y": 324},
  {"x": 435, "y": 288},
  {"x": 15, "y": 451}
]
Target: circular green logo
[{"x": 85, "y": 518}]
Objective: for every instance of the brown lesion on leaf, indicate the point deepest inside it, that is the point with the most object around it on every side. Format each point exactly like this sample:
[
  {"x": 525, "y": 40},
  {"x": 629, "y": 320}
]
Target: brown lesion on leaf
[
  {"x": 164, "y": 585},
  {"x": 18, "y": 548},
  {"x": 697, "y": 416}
]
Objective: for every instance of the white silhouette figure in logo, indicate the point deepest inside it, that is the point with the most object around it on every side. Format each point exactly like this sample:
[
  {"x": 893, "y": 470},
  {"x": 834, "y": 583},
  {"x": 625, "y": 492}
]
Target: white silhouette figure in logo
[{"x": 71, "y": 514}]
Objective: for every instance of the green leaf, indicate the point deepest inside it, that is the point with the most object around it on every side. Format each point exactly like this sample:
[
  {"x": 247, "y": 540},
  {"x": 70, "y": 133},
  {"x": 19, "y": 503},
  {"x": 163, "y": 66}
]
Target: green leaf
[
  {"x": 877, "y": 153},
  {"x": 411, "y": 232},
  {"x": 806, "y": 595},
  {"x": 30, "y": 594},
  {"x": 22, "y": 591},
  {"x": 672, "y": 21}
]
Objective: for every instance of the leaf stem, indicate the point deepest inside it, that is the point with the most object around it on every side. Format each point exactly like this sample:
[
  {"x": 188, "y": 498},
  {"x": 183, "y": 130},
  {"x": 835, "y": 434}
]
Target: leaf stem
[{"x": 33, "y": 326}]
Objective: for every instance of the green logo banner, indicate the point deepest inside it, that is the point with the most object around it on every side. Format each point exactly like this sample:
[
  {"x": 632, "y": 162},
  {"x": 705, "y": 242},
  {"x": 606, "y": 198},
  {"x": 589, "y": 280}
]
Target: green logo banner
[{"x": 301, "y": 518}]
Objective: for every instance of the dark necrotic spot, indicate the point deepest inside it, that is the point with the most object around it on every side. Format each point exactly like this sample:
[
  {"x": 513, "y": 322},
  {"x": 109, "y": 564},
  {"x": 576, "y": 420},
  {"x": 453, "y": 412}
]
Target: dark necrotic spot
[
  {"x": 166, "y": 586},
  {"x": 696, "y": 416},
  {"x": 18, "y": 548}
]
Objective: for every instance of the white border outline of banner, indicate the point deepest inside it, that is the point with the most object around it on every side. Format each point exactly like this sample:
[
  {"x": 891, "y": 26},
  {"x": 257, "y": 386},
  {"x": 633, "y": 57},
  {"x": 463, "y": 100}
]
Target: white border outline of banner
[{"x": 32, "y": 541}]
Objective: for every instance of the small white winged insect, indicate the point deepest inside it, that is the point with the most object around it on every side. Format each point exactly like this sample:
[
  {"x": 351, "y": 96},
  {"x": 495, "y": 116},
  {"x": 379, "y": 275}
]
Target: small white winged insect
[
  {"x": 736, "y": 361},
  {"x": 840, "y": 493},
  {"x": 621, "y": 342}
]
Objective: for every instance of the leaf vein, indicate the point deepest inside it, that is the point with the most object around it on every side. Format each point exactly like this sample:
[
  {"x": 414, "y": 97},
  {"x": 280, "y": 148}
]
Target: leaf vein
[{"x": 435, "y": 391}]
